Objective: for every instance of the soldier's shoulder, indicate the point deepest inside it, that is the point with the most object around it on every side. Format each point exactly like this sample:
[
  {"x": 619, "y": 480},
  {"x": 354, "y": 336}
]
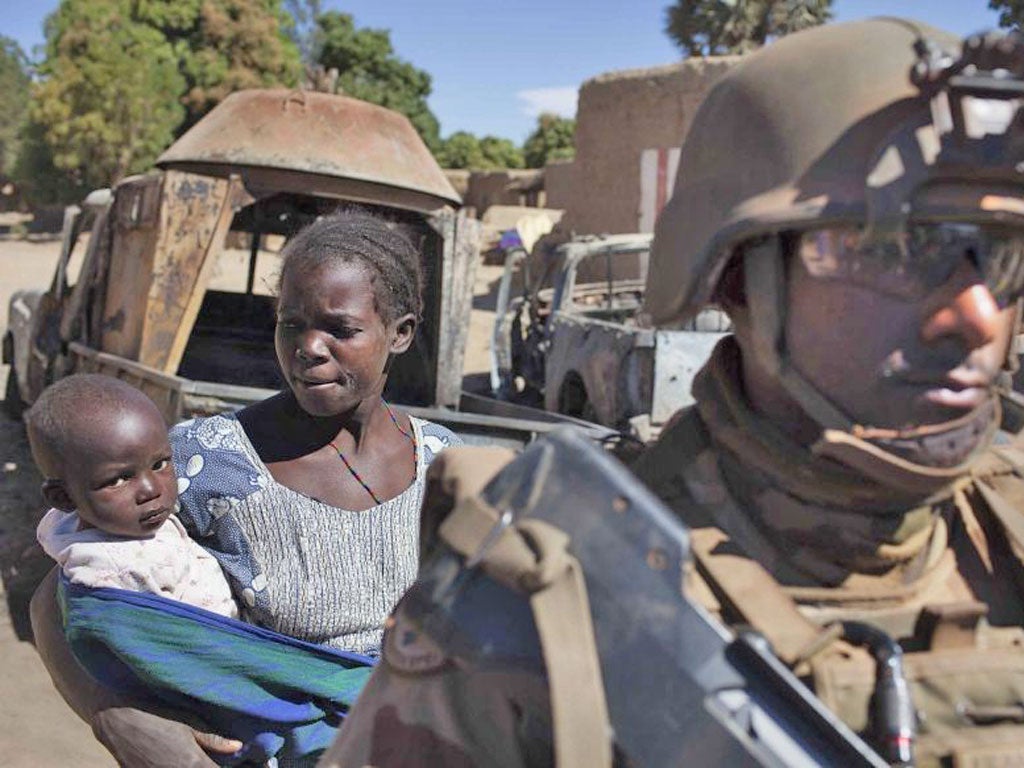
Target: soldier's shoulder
[{"x": 681, "y": 441}]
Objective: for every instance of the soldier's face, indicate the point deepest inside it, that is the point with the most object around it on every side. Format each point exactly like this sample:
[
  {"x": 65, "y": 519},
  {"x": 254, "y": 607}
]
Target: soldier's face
[{"x": 895, "y": 362}]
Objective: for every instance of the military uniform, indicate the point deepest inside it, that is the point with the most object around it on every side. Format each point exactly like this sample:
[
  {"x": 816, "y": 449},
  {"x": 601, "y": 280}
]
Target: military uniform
[
  {"x": 943, "y": 576},
  {"x": 915, "y": 532}
]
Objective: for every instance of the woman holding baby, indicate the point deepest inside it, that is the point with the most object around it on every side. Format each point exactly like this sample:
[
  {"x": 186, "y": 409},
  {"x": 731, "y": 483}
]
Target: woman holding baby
[{"x": 309, "y": 500}]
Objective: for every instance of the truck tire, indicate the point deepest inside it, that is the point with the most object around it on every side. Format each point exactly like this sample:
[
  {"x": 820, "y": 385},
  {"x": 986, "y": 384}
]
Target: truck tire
[
  {"x": 14, "y": 406},
  {"x": 574, "y": 401}
]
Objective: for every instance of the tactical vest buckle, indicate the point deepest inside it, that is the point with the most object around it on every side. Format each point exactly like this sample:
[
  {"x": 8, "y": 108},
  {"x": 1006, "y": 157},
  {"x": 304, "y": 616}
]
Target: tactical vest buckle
[{"x": 949, "y": 626}]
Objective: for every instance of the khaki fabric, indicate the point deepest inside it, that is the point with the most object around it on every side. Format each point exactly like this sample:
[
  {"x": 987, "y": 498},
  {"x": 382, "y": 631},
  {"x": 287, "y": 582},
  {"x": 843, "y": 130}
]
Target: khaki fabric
[
  {"x": 858, "y": 558},
  {"x": 532, "y": 556},
  {"x": 430, "y": 707},
  {"x": 943, "y": 574},
  {"x": 424, "y": 707},
  {"x": 456, "y": 474}
]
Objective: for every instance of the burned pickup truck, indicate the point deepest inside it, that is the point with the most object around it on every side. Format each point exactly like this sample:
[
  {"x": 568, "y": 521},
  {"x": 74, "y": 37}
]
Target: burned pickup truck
[
  {"x": 140, "y": 289},
  {"x": 573, "y": 337}
]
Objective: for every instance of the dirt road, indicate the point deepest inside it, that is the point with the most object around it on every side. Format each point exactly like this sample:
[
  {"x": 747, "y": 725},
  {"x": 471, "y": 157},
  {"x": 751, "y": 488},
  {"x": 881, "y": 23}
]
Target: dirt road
[
  {"x": 36, "y": 727},
  {"x": 37, "y": 730}
]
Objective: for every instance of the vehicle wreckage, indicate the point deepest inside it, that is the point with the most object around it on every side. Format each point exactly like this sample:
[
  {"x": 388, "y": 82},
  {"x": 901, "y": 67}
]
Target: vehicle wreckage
[{"x": 257, "y": 168}]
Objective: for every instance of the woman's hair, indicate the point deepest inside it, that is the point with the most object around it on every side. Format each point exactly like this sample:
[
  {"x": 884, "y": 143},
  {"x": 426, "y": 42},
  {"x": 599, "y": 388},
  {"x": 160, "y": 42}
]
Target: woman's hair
[{"x": 359, "y": 237}]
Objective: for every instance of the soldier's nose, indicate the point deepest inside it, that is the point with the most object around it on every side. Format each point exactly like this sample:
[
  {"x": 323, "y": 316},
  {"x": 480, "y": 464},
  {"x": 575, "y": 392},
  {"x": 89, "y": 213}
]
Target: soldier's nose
[{"x": 972, "y": 314}]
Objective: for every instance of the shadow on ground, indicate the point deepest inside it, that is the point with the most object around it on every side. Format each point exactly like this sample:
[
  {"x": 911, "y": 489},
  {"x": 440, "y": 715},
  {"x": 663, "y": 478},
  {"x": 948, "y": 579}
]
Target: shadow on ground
[{"x": 22, "y": 561}]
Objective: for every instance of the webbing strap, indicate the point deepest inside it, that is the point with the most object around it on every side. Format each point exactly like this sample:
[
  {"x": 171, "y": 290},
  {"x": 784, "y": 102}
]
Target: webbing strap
[
  {"x": 1006, "y": 513},
  {"x": 531, "y": 556},
  {"x": 753, "y": 594}
]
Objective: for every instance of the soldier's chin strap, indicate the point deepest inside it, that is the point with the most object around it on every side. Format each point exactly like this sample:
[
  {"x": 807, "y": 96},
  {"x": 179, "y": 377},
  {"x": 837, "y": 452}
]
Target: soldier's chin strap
[
  {"x": 868, "y": 451},
  {"x": 531, "y": 556}
]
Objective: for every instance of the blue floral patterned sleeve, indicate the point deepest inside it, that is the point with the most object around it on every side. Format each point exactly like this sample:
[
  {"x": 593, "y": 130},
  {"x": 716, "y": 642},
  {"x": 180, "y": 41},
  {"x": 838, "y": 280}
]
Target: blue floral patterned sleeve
[
  {"x": 216, "y": 470},
  {"x": 435, "y": 439}
]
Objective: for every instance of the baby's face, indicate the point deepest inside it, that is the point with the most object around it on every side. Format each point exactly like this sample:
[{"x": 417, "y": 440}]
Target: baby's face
[{"x": 120, "y": 476}]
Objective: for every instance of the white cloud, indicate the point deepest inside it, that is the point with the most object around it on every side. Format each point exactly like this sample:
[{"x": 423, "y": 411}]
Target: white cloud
[{"x": 560, "y": 100}]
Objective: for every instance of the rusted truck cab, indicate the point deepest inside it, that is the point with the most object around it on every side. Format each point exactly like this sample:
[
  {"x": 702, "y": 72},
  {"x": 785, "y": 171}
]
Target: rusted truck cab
[
  {"x": 150, "y": 302},
  {"x": 576, "y": 341}
]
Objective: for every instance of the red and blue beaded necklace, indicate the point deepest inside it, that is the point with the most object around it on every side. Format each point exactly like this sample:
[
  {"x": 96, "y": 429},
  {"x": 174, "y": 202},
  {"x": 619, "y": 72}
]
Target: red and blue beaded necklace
[{"x": 355, "y": 474}]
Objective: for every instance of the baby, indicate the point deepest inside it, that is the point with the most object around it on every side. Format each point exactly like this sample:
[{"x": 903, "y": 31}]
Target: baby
[{"x": 102, "y": 446}]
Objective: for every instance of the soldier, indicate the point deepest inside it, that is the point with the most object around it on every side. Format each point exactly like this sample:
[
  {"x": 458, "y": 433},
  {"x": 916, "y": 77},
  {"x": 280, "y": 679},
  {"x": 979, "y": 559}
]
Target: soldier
[{"x": 852, "y": 197}]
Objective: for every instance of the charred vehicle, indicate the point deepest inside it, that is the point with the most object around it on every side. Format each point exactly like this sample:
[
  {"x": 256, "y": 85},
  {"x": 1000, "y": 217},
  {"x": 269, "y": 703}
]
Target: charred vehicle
[
  {"x": 143, "y": 297},
  {"x": 574, "y": 337}
]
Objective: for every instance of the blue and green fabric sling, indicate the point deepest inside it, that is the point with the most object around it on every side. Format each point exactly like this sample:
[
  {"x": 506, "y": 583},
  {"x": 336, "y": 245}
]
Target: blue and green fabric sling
[{"x": 280, "y": 696}]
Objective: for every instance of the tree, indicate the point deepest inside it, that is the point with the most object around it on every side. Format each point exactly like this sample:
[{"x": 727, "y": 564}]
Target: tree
[
  {"x": 501, "y": 153},
  {"x": 464, "y": 150},
  {"x": 39, "y": 180},
  {"x": 553, "y": 139},
  {"x": 14, "y": 90},
  {"x": 460, "y": 150},
  {"x": 1011, "y": 12},
  {"x": 224, "y": 46},
  {"x": 108, "y": 99},
  {"x": 715, "y": 27},
  {"x": 304, "y": 30},
  {"x": 122, "y": 78},
  {"x": 368, "y": 69}
]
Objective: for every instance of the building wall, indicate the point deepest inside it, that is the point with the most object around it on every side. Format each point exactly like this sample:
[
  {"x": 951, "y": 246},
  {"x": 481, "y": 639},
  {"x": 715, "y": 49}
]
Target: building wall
[
  {"x": 559, "y": 182},
  {"x": 503, "y": 187},
  {"x": 621, "y": 114},
  {"x": 459, "y": 179}
]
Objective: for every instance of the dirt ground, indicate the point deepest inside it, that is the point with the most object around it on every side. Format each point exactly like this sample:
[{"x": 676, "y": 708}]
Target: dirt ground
[{"x": 37, "y": 729}]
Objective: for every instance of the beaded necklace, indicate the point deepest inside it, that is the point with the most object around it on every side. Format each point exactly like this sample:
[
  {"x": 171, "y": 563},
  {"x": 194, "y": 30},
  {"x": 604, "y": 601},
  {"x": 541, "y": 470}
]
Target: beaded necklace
[{"x": 352, "y": 470}]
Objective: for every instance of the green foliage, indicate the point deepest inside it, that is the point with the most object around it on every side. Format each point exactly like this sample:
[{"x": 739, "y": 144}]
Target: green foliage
[
  {"x": 107, "y": 103},
  {"x": 715, "y": 27},
  {"x": 304, "y": 30},
  {"x": 40, "y": 181},
  {"x": 14, "y": 89},
  {"x": 460, "y": 150},
  {"x": 368, "y": 69},
  {"x": 553, "y": 139},
  {"x": 224, "y": 46},
  {"x": 501, "y": 153},
  {"x": 1011, "y": 12},
  {"x": 464, "y": 150},
  {"x": 122, "y": 78}
]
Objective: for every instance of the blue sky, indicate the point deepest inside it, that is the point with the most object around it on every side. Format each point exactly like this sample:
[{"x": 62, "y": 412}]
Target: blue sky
[{"x": 497, "y": 63}]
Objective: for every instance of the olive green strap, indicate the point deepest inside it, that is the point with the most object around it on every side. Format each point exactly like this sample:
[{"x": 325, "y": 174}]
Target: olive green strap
[
  {"x": 531, "y": 556},
  {"x": 1008, "y": 514},
  {"x": 750, "y": 591}
]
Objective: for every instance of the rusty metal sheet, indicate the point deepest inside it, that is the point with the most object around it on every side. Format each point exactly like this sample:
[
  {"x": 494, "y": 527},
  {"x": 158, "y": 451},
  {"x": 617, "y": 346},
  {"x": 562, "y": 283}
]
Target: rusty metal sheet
[
  {"x": 460, "y": 257},
  {"x": 193, "y": 207},
  {"x": 317, "y": 144},
  {"x": 129, "y": 268},
  {"x": 596, "y": 352}
]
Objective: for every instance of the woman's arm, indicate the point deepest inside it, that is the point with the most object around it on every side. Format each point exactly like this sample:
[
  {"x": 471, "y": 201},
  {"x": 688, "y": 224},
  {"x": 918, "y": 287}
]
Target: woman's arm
[{"x": 133, "y": 737}]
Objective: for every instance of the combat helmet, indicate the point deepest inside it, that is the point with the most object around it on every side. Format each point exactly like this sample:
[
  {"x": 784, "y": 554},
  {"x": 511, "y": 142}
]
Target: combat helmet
[{"x": 868, "y": 124}]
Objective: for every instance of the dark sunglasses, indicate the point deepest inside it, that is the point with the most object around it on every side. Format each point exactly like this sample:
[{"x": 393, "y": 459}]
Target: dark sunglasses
[{"x": 922, "y": 260}]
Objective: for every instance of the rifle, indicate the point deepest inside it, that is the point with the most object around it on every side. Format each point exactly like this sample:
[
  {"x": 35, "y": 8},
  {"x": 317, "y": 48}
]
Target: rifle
[{"x": 681, "y": 688}]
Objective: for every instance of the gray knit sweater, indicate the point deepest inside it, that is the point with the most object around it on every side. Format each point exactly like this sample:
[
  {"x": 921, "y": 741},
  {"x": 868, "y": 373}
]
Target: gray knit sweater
[{"x": 300, "y": 567}]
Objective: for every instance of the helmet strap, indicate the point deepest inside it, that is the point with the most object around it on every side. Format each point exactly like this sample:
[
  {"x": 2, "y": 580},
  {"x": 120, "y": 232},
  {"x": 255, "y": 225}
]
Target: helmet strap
[
  {"x": 1012, "y": 362},
  {"x": 764, "y": 278}
]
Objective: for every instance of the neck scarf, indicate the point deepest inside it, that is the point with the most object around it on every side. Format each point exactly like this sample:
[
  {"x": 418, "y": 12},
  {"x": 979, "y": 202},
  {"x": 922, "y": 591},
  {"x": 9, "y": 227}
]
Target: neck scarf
[{"x": 825, "y": 519}]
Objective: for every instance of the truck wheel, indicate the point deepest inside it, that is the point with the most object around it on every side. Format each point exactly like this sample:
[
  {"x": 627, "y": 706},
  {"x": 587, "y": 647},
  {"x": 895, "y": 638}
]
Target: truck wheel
[
  {"x": 14, "y": 406},
  {"x": 574, "y": 401}
]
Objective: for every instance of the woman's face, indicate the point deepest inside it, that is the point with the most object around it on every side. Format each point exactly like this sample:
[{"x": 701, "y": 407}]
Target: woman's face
[{"x": 332, "y": 345}]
